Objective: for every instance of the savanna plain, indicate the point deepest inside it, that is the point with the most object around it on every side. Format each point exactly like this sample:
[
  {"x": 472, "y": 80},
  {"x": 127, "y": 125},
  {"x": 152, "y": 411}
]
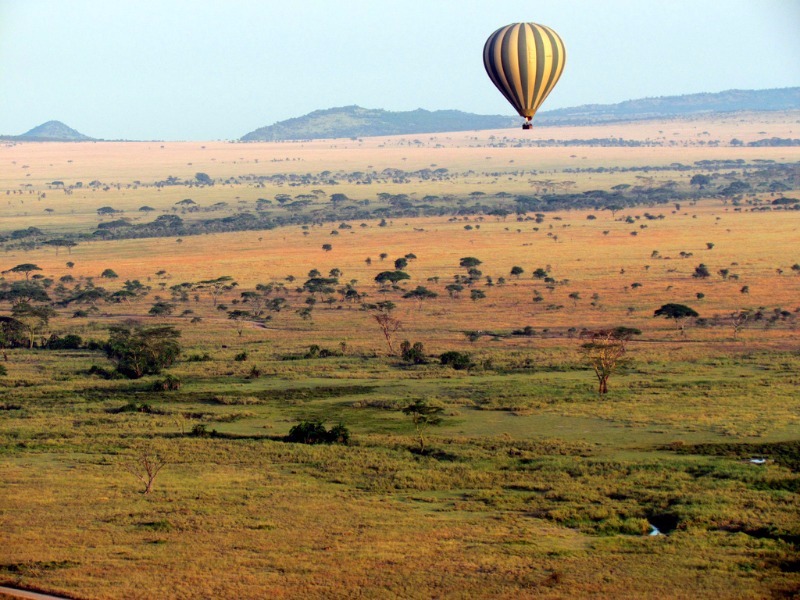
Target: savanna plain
[{"x": 374, "y": 368}]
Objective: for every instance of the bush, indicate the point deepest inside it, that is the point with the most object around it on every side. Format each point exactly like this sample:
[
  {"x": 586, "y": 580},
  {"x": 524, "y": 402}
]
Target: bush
[
  {"x": 201, "y": 430},
  {"x": 241, "y": 357},
  {"x": 103, "y": 373},
  {"x": 316, "y": 351},
  {"x": 458, "y": 360},
  {"x": 70, "y": 341},
  {"x": 170, "y": 383},
  {"x": 414, "y": 354},
  {"x": 139, "y": 351},
  {"x": 314, "y": 432},
  {"x": 136, "y": 407}
]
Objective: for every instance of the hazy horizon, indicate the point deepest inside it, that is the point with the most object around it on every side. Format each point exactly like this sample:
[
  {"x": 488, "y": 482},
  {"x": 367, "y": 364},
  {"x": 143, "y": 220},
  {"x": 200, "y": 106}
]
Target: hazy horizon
[{"x": 180, "y": 70}]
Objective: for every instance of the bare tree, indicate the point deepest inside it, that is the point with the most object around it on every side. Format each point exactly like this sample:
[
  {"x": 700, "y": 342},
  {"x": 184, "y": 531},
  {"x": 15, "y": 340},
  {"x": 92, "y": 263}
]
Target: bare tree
[
  {"x": 145, "y": 465},
  {"x": 738, "y": 320},
  {"x": 389, "y": 325},
  {"x": 605, "y": 352}
]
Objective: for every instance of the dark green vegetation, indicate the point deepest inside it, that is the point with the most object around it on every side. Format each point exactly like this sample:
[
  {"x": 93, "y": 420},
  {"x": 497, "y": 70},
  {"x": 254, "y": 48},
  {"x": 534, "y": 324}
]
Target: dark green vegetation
[{"x": 736, "y": 183}]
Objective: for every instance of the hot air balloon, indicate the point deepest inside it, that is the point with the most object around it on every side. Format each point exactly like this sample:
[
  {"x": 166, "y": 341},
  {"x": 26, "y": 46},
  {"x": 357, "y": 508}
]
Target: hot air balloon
[{"x": 524, "y": 61}]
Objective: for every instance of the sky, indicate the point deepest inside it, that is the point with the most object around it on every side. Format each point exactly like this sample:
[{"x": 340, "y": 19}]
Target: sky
[{"x": 211, "y": 70}]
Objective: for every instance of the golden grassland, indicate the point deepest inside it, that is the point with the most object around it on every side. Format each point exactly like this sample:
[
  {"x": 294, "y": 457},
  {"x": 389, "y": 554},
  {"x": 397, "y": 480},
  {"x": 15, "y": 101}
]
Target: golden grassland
[
  {"x": 26, "y": 169},
  {"x": 533, "y": 486}
]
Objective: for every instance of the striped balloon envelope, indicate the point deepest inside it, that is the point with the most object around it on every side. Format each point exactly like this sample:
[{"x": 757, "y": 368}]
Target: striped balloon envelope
[{"x": 524, "y": 61}]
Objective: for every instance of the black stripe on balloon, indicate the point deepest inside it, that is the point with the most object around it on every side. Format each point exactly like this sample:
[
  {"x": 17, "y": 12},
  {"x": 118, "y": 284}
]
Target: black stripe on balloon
[
  {"x": 505, "y": 54},
  {"x": 498, "y": 78}
]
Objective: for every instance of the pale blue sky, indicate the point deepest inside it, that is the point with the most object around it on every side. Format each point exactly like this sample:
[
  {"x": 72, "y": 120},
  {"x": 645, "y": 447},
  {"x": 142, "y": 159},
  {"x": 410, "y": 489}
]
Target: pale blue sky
[{"x": 201, "y": 69}]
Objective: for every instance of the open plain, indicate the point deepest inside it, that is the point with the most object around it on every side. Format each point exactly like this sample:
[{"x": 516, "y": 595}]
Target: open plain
[{"x": 266, "y": 259}]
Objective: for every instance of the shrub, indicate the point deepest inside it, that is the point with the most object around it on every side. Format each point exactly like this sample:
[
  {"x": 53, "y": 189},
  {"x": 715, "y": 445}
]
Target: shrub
[
  {"x": 201, "y": 430},
  {"x": 242, "y": 356},
  {"x": 103, "y": 373},
  {"x": 70, "y": 341},
  {"x": 170, "y": 383},
  {"x": 314, "y": 432},
  {"x": 414, "y": 354},
  {"x": 136, "y": 407},
  {"x": 458, "y": 360}
]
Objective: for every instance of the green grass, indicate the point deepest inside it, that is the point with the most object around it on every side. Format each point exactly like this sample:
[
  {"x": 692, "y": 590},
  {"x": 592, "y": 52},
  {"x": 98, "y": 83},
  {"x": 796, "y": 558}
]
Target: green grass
[{"x": 531, "y": 482}]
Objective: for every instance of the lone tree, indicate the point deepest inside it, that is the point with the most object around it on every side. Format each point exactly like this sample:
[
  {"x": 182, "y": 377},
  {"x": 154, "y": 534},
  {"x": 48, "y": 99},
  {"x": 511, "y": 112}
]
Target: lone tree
[
  {"x": 701, "y": 272},
  {"x": 389, "y": 325},
  {"x": 605, "y": 352},
  {"x": 145, "y": 465},
  {"x": 240, "y": 319},
  {"x": 139, "y": 351},
  {"x": 423, "y": 415},
  {"x": 384, "y": 278},
  {"x": 738, "y": 320},
  {"x": 216, "y": 287},
  {"x": 420, "y": 294},
  {"x": 26, "y": 268},
  {"x": 678, "y": 312}
]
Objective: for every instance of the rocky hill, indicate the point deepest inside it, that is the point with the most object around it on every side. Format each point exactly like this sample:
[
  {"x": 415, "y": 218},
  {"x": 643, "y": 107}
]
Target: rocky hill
[
  {"x": 52, "y": 131},
  {"x": 355, "y": 121}
]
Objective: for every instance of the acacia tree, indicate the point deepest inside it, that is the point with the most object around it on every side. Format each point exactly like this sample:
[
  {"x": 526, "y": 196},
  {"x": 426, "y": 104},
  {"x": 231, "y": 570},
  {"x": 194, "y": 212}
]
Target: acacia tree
[
  {"x": 423, "y": 415},
  {"x": 25, "y": 292},
  {"x": 420, "y": 294},
  {"x": 677, "y": 312},
  {"x": 26, "y": 268},
  {"x": 139, "y": 351},
  {"x": 12, "y": 335},
  {"x": 216, "y": 287},
  {"x": 389, "y": 325},
  {"x": 33, "y": 318},
  {"x": 605, "y": 352},
  {"x": 240, "y": 319}
]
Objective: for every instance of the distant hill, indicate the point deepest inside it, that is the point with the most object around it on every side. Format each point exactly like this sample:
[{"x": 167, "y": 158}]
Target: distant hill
[
  {"x": 52, "y": 131},
  {"x": 355, "y": 121},
  {"x": 675, "y": 106}
]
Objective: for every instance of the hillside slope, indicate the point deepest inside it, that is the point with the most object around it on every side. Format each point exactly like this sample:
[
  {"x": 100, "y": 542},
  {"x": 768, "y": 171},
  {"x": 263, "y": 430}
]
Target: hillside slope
[
  {"x": 355, "y": 121},
  {"x": 52, "y": 131}
]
